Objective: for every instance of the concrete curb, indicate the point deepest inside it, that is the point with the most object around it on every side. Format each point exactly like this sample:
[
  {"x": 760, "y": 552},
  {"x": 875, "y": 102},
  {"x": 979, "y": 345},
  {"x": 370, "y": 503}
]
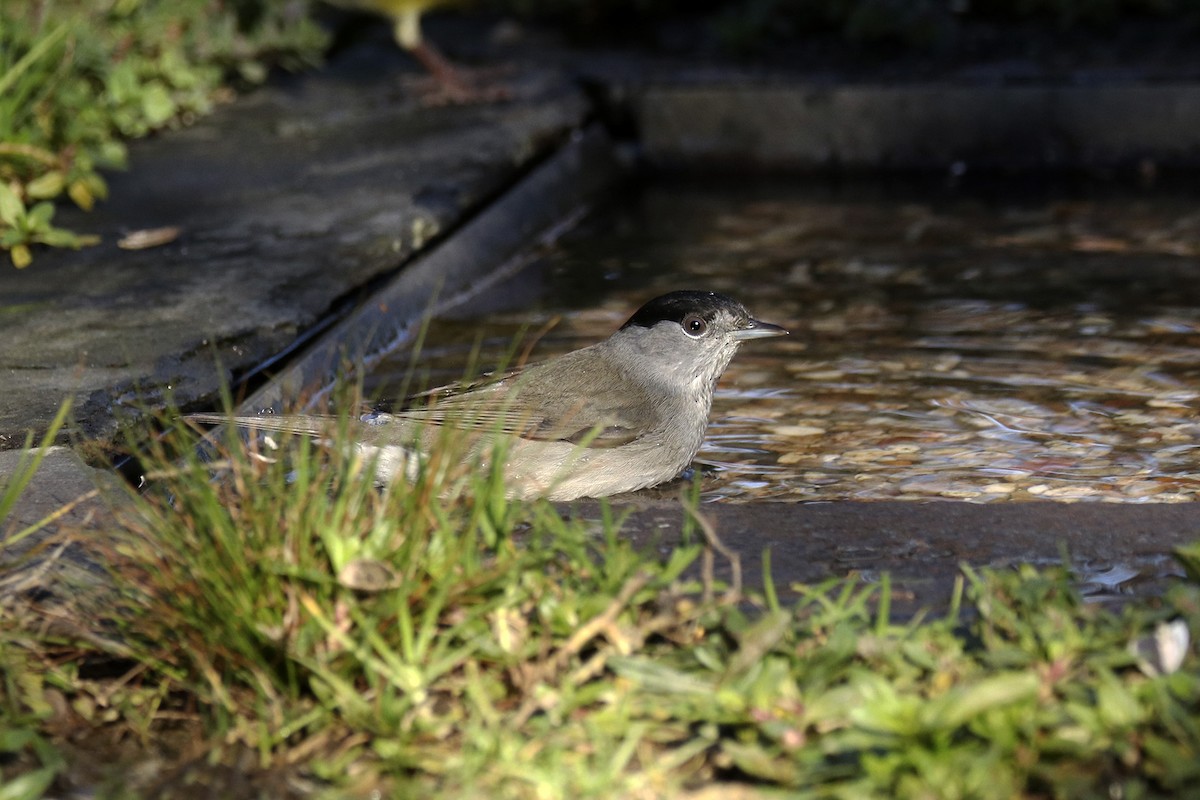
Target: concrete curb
[
  {"x": 864, "y": 126},
  {"x": 483, "y": 252},
  {"x": 1112, "y": 548}
]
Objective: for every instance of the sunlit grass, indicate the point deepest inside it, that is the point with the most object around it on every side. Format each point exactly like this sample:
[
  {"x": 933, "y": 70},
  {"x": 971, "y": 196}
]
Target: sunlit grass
[{"x": 309, "y": 630}]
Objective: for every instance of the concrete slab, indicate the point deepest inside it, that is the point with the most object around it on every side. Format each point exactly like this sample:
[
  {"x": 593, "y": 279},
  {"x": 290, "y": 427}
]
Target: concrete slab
[
  {"x": 1120, "y": 550},
  {"x": 66, "y": 495},
  {"x": 289, "y": 202},
  {"x": 479, "y": 260},
  {"x": 790, "y": 122}
]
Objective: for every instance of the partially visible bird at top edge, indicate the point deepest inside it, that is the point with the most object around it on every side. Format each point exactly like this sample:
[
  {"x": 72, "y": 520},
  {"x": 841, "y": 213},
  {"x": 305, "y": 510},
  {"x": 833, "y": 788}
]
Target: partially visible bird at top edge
[
  {"x": 620, "y": 415},
  {"x": 453, "y": 84}
]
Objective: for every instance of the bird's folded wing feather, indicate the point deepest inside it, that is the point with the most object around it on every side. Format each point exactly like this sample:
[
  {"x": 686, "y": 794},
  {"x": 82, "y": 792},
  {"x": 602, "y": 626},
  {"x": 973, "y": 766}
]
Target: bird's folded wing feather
[
  {"x": 307, "y": 424},
  {"x": 556, "y": 401},
  {"x": 585, "y": 404}
]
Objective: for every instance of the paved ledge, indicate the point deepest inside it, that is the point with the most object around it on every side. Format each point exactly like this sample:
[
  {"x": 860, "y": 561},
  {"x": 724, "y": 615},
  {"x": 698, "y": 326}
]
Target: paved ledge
[
  {"x": 471, "y": 264},
  {"x": 923, "y": 544},
  {"x": 788, "y": 122},
  {"x": 289, "y": 202}
]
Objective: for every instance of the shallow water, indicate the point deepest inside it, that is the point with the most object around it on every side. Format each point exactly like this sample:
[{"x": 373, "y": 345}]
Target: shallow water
[{"x": 983, "y": 346}]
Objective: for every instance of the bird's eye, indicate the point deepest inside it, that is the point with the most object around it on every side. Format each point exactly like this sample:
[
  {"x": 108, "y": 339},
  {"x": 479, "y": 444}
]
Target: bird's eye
[{"x": 694, "y": 326}]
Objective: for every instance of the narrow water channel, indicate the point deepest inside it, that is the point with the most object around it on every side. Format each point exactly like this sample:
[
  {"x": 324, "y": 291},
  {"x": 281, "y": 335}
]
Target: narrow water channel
[{"x": 987, "y": 345}]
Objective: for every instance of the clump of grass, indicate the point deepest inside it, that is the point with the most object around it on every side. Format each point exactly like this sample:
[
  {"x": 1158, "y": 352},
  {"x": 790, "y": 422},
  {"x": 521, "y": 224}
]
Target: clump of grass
[
  {"x": 1036, "y": 693},
  {"x": 79, "y": 77},
  {"x": 436, "y": 638},
  {"x": 296, "y": 603}
]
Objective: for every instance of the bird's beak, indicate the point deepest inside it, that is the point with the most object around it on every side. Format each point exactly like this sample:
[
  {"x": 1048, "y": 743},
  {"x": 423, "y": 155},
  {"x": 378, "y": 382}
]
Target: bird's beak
[{"x": 755, "y": 329}]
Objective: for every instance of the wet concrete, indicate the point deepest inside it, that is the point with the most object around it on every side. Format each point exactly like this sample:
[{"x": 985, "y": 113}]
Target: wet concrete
[
  {"x": 808, "y": 125},
  {"x": 65, "y": 495},
  {"x": 476, "y": 266},
  {"x": 290, "y": 201},
  {"x": 1025, "y": 97},
  {"x": 1115, "y": 551}
]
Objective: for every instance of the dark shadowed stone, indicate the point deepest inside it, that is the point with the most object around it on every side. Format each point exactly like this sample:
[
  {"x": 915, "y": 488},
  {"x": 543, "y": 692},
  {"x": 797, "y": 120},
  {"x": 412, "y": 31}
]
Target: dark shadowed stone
[{"x": 923, "y": 545}]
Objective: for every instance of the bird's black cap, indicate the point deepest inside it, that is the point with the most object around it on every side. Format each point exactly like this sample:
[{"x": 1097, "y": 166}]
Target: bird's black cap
[{"x": 675, "y": 306}]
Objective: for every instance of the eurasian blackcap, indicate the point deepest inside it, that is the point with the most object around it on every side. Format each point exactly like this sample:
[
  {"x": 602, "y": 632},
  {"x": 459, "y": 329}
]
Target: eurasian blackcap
[{"x": 623, "y": 414}]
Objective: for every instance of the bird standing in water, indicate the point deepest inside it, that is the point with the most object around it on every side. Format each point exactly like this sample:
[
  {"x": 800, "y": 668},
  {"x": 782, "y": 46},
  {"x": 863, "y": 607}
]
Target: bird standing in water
[{"x": 620, "y": 415}]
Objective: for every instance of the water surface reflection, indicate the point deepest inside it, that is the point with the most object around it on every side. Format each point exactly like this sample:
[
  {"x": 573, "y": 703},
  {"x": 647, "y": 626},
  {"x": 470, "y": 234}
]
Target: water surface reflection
[{"x": 944, "y": 346}]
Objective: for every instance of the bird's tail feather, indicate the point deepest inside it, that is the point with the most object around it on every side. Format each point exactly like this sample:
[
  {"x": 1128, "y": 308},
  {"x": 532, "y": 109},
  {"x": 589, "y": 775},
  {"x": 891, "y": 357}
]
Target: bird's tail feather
[{"x": 291, "y": 423}]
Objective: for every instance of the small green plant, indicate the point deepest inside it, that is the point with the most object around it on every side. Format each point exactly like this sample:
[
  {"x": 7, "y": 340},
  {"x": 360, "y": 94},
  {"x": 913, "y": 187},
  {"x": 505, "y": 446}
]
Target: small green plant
[
  {"x": 438, "y": 618},
  {"x": 79, "y": 77},
  {"x": 435, "y": 638}
]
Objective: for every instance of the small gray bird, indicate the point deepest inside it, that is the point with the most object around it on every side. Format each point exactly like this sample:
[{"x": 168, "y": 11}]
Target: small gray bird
[{"x": 617, "y": 416}]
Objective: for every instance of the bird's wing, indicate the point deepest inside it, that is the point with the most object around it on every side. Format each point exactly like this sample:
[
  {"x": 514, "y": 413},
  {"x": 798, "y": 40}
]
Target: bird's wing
[
  {"x": 570, "y": 399},
  {"x": 485, "y": 404},
  {"x": 581, "y": 400},
  {"x": 465, "y": 405},
  {"x": 307, "y": 424}
]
